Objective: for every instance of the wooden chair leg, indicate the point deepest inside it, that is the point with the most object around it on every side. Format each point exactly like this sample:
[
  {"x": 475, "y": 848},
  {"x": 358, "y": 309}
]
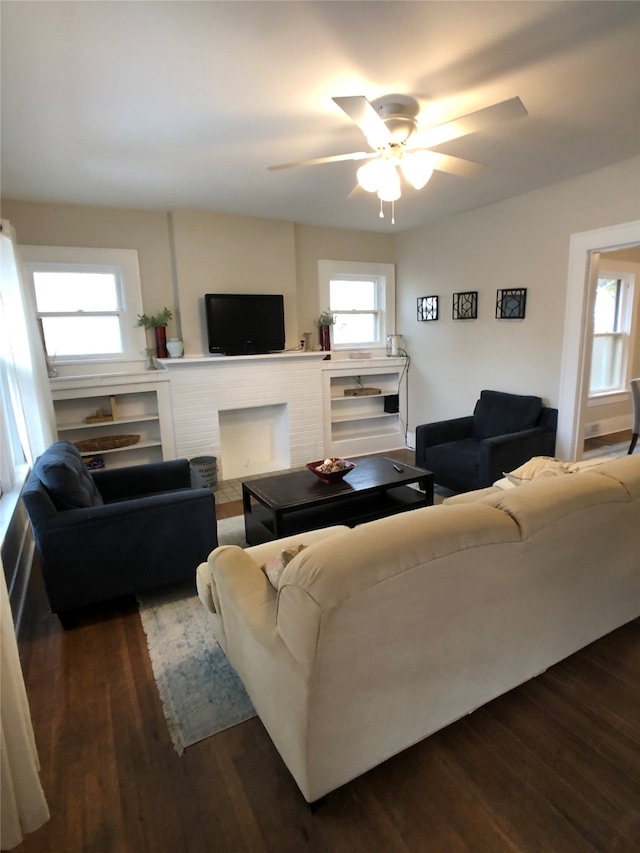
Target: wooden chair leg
[{"x": 634, "y": 439}]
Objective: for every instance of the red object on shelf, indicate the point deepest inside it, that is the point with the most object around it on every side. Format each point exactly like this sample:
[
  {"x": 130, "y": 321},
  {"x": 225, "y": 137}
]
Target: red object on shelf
[
  {"x": 325, "y": 338},
  {"x": 161, "y": 341}
]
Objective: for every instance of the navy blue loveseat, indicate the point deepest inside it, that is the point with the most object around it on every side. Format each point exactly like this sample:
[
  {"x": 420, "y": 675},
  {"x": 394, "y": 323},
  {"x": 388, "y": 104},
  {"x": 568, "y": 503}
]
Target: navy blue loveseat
[{"x": 110, "y": 533}]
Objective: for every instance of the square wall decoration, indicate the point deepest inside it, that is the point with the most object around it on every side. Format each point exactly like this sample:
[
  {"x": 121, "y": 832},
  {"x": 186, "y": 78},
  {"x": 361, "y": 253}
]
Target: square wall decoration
[
  {"x": 465, "y": 305},
  {"x": 510, "y": 304},
  {"x": 427, "y": 308}
]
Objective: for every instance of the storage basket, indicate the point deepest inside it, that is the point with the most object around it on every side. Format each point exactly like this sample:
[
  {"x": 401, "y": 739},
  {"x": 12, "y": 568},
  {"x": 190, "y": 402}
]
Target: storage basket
[{"x": 106, "y": 442}]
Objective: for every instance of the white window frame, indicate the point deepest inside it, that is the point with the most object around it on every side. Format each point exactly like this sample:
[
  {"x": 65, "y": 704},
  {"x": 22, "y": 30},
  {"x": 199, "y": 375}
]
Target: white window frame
[
  {"x": 628, "y": 310},
  {"x": 384, "y": 275},
  {"x": 123, "y": 263}
]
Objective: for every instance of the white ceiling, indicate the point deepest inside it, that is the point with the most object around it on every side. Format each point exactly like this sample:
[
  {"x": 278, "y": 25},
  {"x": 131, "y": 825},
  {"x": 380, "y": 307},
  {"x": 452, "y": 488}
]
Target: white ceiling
[{"x": 169, "y": 105}]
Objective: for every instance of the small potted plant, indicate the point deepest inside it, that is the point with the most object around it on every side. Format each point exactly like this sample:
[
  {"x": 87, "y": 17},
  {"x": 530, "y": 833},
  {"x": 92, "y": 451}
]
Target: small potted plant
[
  {"x": 324, "y": 323},
  {"x": 158, "y": 322}
]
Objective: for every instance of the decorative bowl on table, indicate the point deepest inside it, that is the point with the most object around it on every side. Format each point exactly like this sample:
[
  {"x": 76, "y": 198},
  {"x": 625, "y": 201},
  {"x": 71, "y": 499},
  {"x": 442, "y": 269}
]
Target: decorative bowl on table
[{"x": 330, "y": 470}]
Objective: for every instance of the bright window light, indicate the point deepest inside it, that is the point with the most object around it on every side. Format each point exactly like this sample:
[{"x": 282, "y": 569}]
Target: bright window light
[
  {"x": 349, "y": 295},
  {"x": 68, "y": 336},
  {"x": 87, "y": 302},
  {"x": 361, "y": 297},
  {"x": 612, "y": 312}
]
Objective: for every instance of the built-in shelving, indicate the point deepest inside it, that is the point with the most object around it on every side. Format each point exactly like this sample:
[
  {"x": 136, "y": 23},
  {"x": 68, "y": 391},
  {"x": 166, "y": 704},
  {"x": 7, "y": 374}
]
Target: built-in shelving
[
  {"x": 135, "y": 404},
  {"x": 372, "y": 423}
]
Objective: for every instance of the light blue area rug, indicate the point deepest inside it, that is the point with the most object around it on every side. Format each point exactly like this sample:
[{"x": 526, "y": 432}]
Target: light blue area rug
[{"x": 200, "y": 691}]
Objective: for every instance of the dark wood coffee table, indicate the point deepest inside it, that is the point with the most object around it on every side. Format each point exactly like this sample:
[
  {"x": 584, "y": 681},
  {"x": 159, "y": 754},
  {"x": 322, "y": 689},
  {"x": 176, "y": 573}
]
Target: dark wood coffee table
[{"x": 292, "y": 503}]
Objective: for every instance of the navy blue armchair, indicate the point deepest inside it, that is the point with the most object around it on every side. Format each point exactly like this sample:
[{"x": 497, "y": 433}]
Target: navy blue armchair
[
  {"x": 115, "y": 532},
  {"x": 473, "y": 452}
]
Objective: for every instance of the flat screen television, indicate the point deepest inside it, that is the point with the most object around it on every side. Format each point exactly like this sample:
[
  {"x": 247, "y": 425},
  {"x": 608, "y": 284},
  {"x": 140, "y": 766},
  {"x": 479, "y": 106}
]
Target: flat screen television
[{"x": 244, "y": 324}]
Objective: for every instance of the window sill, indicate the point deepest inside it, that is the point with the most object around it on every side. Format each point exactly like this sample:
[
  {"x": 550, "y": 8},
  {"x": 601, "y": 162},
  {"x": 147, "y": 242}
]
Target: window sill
[
  {"x": 9, "y": 500},
  {"x": 608, "y": 398}
]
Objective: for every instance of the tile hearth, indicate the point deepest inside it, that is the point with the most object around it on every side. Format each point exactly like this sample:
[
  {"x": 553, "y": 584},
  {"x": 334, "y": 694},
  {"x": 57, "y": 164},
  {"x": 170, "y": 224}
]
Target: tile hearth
[{"x": 231, "y": 490}]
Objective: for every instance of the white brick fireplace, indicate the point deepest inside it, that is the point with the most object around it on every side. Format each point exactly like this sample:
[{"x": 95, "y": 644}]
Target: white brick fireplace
[{"x": 254, "y": 413}]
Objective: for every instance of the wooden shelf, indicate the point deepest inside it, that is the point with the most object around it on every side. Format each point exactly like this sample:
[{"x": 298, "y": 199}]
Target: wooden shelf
[
  {"x": 359, "y": 425},
  {"x": 84, "y": 425},
  {"x": 362, "y": 416},
  {"x": 138, "y": 407},
  {"x": 140, "y": 445}
]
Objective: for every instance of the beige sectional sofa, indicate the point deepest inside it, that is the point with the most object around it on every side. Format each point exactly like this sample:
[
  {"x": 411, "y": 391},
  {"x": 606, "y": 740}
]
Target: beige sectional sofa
[{"x": 381, "y": 635}]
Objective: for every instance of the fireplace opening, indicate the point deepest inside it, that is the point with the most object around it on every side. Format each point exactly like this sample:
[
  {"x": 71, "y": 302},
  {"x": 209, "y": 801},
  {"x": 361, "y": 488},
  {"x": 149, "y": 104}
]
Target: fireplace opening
[{"x": 254, "y": 440}]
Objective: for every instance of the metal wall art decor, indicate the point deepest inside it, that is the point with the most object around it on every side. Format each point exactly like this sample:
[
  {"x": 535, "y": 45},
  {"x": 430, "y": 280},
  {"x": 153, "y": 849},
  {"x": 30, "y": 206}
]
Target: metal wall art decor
[
  {"x": 510, "y": 304},
  {"x": 427, "y": 308},
  {"x": 465, "y": 305}
]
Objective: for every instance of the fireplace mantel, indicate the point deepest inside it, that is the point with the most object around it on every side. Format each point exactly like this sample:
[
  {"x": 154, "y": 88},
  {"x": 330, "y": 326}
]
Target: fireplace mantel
[
  {"x": 217, "y": 360},
  {"x": 206, "y": 389}
]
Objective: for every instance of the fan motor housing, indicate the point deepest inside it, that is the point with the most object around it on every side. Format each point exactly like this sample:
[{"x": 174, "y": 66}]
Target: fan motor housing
[{"x": 400, "y": 119}]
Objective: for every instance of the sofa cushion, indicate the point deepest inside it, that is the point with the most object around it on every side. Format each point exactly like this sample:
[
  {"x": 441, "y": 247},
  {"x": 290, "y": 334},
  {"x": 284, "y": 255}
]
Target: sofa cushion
[
  {"x": 459, "y": 459},
  {"x": 275, "y": 566},
  {"x": 497, "y": 413},
  {"x": 65, "y": 478}
]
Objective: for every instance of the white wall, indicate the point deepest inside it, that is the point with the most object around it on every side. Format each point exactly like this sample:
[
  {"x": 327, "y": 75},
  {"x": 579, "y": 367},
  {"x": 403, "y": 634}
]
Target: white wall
[
  {"x": 186, "y": 253},
  {"x": 521, "y": 242},
  {"x": 40, "y": 224},
  {"x": 335, "y": 244},
  {"x": 215, "y": 252}
]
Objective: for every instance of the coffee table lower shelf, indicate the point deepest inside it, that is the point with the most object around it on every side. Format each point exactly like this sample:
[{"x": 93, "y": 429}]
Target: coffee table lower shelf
[{"x": 260, "y": 522}]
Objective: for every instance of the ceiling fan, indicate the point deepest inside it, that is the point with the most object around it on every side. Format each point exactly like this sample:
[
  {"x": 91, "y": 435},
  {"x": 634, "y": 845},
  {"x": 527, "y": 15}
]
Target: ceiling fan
[{"x": 400, "y": 147}]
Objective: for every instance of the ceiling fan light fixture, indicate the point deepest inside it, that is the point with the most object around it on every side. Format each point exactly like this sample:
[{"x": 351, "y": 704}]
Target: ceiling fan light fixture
[
  {"x": 369, "y": 176},
  {"x": 389, "y": 125},
  {"x": 417, "y": 168},
  {"x": 389, "y": 187}
]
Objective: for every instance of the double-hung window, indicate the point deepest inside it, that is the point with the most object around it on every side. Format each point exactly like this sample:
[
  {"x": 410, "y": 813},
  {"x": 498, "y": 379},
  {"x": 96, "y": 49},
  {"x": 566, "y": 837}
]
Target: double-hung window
[
  {"x": 612, "y": 324},
  {"x": 87, "y": 302},
  {"x": 361, "y": 297}
]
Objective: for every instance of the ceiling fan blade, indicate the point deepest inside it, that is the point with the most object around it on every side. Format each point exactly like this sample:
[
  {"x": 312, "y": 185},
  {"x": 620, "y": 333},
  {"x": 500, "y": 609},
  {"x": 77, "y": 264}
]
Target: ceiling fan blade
[
  {"x": 355, "y": 155},
  {"x": 471, "y": 123},
  {"x": 357, "y": 191},
  {"x": 455, "y": 165},
  {"x": 359, "y": 110}
]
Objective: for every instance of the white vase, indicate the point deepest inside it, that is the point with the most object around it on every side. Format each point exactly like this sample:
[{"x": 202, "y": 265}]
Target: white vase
[{"x": 175, "y": 347}]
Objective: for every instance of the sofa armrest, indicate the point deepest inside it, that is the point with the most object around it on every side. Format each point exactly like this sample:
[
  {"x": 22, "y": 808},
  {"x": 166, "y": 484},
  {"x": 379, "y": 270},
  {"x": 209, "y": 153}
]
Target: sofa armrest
[
  {"x": 115, "y": 484},
  {"x": 257, "y": 554},
  {"x": 441, "y": 432},
  {"x": 263, "y": 552},
  {"x": 241, "y": 593},
  {"x": 94, "y": 553},
  {"x": 503, "y": 453}
]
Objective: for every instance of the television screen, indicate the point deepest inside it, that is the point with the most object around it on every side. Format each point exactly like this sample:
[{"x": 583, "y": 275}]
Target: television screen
[{"x": 244, "y": 324}]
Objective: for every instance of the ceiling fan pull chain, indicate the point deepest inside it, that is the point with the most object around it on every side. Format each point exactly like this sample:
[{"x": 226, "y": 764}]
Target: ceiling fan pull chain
[
  {"x": 381, "y": 214},
  {"x": 393, "y": 213}
]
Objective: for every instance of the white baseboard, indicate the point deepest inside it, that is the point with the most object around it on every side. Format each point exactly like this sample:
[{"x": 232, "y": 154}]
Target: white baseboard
[{"x": 606, "y": 427}]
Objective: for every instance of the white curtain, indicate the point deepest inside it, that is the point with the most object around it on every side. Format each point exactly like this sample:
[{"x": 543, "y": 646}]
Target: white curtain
[
  {"x": 23, "y": 351},
  {"x": 24, "y": 807}
]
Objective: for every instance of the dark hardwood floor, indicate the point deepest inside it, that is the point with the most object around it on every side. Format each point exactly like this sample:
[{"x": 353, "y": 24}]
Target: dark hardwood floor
[{"x": 552, "y": 766}]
